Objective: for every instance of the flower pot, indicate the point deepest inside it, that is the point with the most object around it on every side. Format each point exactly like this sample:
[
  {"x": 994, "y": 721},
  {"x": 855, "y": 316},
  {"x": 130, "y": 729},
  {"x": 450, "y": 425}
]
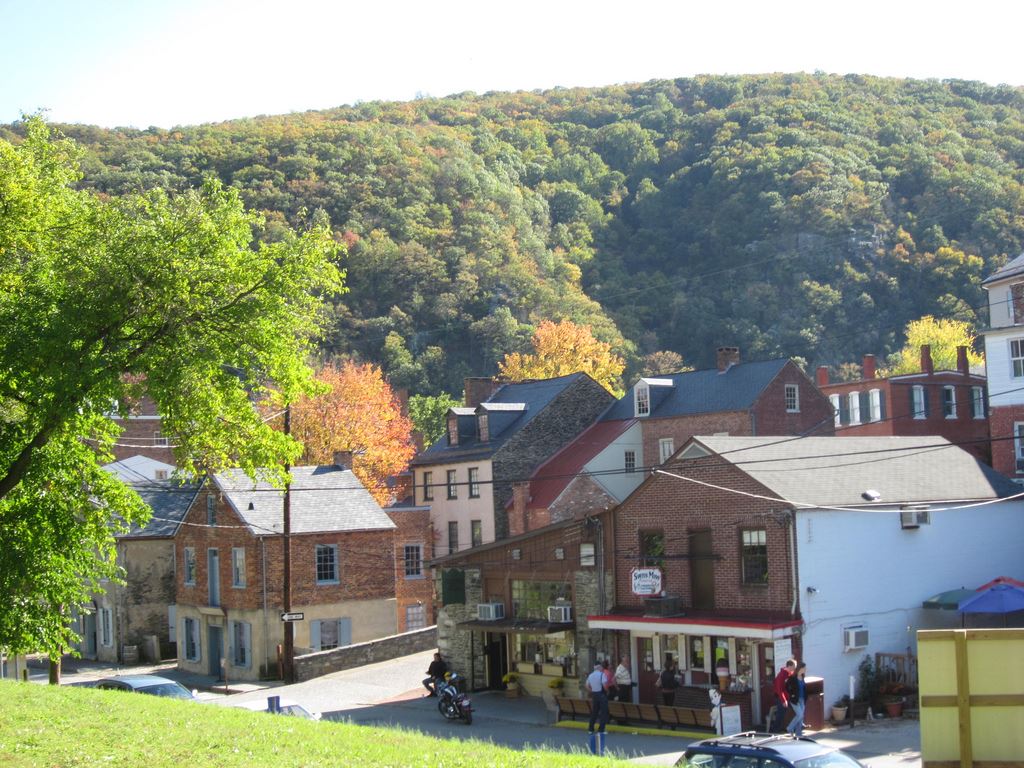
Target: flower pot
[
  {"x": 838, "y": 714},
  {"x": 894, "y": 708},
  {"x": 511, "y": 690}
]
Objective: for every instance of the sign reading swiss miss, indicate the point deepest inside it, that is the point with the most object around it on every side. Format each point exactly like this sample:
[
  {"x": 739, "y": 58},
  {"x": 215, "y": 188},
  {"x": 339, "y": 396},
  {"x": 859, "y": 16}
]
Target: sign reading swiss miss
[{"x": 646, "y": 581}]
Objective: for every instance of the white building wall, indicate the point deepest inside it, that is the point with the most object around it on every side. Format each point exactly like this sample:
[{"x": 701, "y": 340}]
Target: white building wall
[
  {"x": 867, "y": 571},
  {"x": 1003, "y": 389},
  {"x": 1000, "y": 304},
  {"x": 609, "y": 464},
  {"x": 462, "y": 509}
]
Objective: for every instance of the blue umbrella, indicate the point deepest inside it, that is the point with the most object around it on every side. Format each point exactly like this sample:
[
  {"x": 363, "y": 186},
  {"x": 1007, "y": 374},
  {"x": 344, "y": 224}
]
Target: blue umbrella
[{"x": 1001, "y": 598}]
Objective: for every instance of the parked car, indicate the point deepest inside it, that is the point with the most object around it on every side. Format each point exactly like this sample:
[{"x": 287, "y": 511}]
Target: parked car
[
  {"x": 284, "y": 707},
  {"x": 774, "y": 750},
  {"x": 151, "y": 684}
]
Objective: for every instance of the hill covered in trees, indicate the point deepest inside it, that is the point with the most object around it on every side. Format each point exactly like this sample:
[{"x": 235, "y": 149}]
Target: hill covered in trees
[{"x": 800, "y": 215}]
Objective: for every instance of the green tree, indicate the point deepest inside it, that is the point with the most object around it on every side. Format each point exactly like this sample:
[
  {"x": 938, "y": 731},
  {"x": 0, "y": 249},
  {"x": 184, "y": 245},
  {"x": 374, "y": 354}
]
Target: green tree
[
  {"x": 944, "y": 336},
  {"x": 429, "y": 414},
  {"x": 101, "y": 300}
]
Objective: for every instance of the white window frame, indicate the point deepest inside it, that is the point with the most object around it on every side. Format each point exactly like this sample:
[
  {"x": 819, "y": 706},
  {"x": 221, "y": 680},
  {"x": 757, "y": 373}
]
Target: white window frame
[
  {"x": 190, "y": 566},
  {"x": 160, "y": 440},
  {"x": 642, "y": 399},
  {"x": 159, "y": 474},
  {"x": 428, "y": 486},
  {"x": 588, "y": 556},
  {"x": 666, "y": 447},
  {"x": 106, "y": 627},
  {"x": 853, "y": 400},
  {"x": 875, "y": 404},
  {"x": 473, "y": 474},
  {"x": 336, "y": 566},
  {"x": 837, "y": 418},
  {"x": 918, "y": 403},
  {"x": 949, "y": 401},
  {"x": 1018, "y": 445},
  {"x": 342, "y": 626},
  {"x": 241, "y": 644},
  {"x": 792, "y": 395},
  {"x": 415, "y": 617},
  {"x": 629, "y": 460},
  {"x": 238, "y": 567},
  {"x": 978, "y": 402},
  {"x": 1016, "y": 358},
  {"x": 412, "y": 561}
]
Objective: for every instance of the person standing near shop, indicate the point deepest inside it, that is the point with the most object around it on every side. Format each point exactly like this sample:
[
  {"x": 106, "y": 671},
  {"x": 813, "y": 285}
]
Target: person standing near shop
[
  {"x": 596, "y": 685},
  {"x": 781, "y": 695},
  {"x": 796, "y": 689},
  {"x": 668, "y": 682},
  {"x": 623, "y": 680}
]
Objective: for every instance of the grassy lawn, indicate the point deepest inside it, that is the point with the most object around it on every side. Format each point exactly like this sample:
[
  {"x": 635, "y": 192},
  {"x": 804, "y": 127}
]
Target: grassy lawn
[{"x": 56, "y": 726}]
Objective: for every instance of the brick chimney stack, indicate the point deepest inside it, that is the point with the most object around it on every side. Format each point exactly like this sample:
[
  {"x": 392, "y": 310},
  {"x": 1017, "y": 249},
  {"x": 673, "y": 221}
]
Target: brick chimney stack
[
  {"x": 727, "y": 357},
  {"x": 868, "y": 368},
  {"x": 962, "y": 364},
  {"x": 478, "y": 389},
  {"x": 343, "y": 459},
  {"x": 518, "y": 521},
  {"x": 926, "y": 360},
  {"x": 821, "y": 376}
]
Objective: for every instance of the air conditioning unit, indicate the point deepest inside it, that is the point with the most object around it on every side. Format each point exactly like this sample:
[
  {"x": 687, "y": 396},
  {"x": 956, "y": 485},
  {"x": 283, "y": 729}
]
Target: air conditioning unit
[
  {"x": 559, "y": 614},
  {"x": 855, "y": 638},
  {"x": 914, "y": 518},
  {"x": 490, "y": 611}
]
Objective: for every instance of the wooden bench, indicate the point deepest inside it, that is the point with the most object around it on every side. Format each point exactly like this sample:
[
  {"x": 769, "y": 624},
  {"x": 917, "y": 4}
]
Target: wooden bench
[
  {"x": 624, "y": 712},
  {"x": 569, "y": 707},
  {"x": 688, "y": 717}
]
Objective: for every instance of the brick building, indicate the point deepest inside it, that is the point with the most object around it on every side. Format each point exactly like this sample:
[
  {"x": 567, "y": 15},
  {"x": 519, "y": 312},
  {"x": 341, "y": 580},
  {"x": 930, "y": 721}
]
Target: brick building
[
  {"x": 1004, "y": 363},
  {"x": 414, "y": 549},
  {"x": 142, "y": 435},
  {"x": 742, "y": 551},
  {"x": 230, "y": 575},
  {"x": 929, "y": 402}
]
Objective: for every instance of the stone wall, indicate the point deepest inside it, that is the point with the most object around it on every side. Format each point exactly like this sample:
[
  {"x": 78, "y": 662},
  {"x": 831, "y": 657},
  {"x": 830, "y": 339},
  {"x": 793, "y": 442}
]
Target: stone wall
[
  {"x": 456, "y": 645},
  {"x": 320, "y": 663}
]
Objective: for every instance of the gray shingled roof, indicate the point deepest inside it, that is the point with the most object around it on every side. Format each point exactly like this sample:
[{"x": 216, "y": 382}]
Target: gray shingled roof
[
  {"x": 1011, "y": 268},
  {"x": 706, "y": 391},
  {"x": 323, "y": 499},
  {"x": 835, "y": 471},
  {"x": 169, "y": 501}
]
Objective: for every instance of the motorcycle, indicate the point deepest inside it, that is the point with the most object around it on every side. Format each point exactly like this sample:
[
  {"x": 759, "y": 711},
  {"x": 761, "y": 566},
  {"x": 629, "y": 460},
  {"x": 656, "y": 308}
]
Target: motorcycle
[{"x": 451, "y": 702}]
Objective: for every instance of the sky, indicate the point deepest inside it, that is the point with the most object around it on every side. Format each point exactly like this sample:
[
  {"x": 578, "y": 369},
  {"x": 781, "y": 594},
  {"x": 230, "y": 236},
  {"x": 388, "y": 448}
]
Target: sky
[{"x": 163, "y": 63}]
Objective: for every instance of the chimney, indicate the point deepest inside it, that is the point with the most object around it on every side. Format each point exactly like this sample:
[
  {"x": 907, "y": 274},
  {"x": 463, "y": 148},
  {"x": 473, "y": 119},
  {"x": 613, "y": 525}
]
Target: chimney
[
  {"x": 478, "y": 388},
  {"x": 517, "y": 519},
  {"x": 821, "y": 376},
  {"x": 926, "y": 359},
  {"x": 727, "y": 357},
  {"x": 961, "y": 361},
  {"x": 343, "y": 459},
  {"x": 868, "y": 367}
]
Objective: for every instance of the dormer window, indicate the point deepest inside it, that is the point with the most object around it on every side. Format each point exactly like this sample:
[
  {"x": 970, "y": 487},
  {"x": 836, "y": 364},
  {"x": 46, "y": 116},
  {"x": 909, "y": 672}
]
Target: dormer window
[
  {"x": 483, "y": 427},
  {"x": 642, "y": 399},
  {"x": 453, "y": 430}
]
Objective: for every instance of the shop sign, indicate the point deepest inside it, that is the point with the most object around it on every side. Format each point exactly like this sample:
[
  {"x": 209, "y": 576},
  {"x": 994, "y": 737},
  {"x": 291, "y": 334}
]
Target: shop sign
[{"x": 646, "y": 581}]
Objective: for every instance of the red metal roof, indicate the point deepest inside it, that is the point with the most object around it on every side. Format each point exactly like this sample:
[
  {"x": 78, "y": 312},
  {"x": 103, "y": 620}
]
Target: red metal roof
[{"x": 553, "y": 476}]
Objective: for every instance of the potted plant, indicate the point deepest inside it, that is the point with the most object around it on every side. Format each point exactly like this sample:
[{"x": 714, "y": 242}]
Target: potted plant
[
  {"x": 839, "y": 708},
  {"x": 511, "y": 681},
  {"x": 556, "y": 684},
  {"x": 554, "y": 688}
]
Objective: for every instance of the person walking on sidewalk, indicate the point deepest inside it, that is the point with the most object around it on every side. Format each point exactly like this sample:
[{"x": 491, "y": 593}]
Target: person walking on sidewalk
[
  {"x": 597, "y": 685},
  {"x": 796, "y": 689},
  {"x": 435, "y": 674},
  {"x": 781, "y": 696}
]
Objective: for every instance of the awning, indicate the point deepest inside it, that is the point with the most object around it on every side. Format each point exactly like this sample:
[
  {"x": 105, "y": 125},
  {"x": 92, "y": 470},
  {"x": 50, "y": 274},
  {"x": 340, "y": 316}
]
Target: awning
[
  {"x": 525, "y": 626},
  {"x": 692, "y": 625},
  {"x": 947, "y": 601},
  {"x": 1001, "y": 598}
]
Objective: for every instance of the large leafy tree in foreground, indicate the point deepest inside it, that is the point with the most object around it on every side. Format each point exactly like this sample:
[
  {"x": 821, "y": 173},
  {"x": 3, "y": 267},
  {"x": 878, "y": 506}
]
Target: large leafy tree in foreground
[{"x": 98, "y": 299}]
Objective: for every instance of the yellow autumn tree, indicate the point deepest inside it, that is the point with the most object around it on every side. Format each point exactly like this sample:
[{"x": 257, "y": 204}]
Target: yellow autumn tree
[
  {"x": 359, "y": 413},
  {"x": 944, "y": 336},
  {"x": 560, "y": 349}
]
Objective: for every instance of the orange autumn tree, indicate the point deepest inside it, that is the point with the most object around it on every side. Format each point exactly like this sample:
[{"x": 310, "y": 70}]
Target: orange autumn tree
[
  {"x": 359, "y": 413},
  {"x": 564, "y": 348}
]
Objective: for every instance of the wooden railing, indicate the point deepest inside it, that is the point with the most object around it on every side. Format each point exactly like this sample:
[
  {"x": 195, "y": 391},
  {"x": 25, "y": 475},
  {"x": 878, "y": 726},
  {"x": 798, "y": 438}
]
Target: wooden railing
[{"x": 897, "y": 668}]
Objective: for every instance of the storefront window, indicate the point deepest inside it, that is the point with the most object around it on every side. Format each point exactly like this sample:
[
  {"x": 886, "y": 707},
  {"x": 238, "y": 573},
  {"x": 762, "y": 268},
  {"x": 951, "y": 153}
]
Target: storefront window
[
  {"x": 532, "y": 649},
  {"x": 744, "y": 661},
  {"x": 670, "y": 647},
  {"x": 530, "y": 599},
  {"x": 697, "y": 653}
]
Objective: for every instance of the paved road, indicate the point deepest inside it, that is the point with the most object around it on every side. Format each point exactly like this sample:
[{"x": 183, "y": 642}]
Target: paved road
[{"x": 390, "y": 694}]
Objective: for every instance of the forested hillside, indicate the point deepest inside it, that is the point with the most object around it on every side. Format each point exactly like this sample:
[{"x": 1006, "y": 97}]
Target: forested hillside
[{"x": 799, "y": 215}]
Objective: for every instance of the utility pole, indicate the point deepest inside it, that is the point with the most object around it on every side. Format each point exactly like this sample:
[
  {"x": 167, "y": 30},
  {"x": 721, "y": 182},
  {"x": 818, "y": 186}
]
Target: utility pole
[{"x": 289, "y": 627}]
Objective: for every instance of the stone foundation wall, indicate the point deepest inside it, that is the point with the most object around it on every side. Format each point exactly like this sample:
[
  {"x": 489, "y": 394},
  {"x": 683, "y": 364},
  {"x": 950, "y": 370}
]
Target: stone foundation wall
[{"x": 320, "y": 663}]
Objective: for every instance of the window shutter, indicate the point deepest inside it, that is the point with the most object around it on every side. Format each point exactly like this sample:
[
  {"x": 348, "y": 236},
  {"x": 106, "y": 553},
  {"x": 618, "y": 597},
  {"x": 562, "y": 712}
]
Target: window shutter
[
  {"x": 865, "y": 407},
  {"x": 453, "y": 586},
  {"x": 883, "y": 415},
  {"x": 910, "y": 407},
  {"x": 247, "y": 642},
  {"x": 844, "y": 409},
  {"x": 924, "y": 392},
  {"x": 314, "y": 635},
  {"x": 344, "y": 632}
]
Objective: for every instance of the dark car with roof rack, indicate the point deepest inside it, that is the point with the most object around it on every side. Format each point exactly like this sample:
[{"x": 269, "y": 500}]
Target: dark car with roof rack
[{"x": 764, "y": 750}]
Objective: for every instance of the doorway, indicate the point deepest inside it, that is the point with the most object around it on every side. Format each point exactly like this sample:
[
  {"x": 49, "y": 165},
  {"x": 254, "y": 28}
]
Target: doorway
[
  {"x": 213, "y": 563},
  {"x": 214, "y": 641},
  {"x": 702, "y": 570},
  {"x": 89, "y": 635},
  {"x": 646, "y": 673},
  {"x": 496, "y": 653}
]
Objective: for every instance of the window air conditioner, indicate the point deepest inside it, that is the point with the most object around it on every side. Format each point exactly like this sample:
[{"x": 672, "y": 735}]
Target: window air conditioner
[
  {"x": 855, "y": 638},
  {"x": 559, "y": 614},
  {"x": 490, "y": 611}
]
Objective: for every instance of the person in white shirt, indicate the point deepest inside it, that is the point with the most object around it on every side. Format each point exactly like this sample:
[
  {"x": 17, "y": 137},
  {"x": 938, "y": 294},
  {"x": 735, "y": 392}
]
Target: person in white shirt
[
  {"x": 598, "y": 699},
  {"x": 623, "y": 680}
]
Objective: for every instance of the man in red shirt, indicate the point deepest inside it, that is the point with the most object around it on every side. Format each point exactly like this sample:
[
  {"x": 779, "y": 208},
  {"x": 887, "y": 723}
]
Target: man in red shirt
[{"x": 781, "y": 698}]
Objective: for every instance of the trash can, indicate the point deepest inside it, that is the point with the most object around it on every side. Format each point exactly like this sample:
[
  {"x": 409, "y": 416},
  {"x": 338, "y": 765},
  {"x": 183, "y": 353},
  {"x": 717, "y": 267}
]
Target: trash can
[
  {"x": 129, "y": 654},
  {"x": 814, "y": 714}
]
